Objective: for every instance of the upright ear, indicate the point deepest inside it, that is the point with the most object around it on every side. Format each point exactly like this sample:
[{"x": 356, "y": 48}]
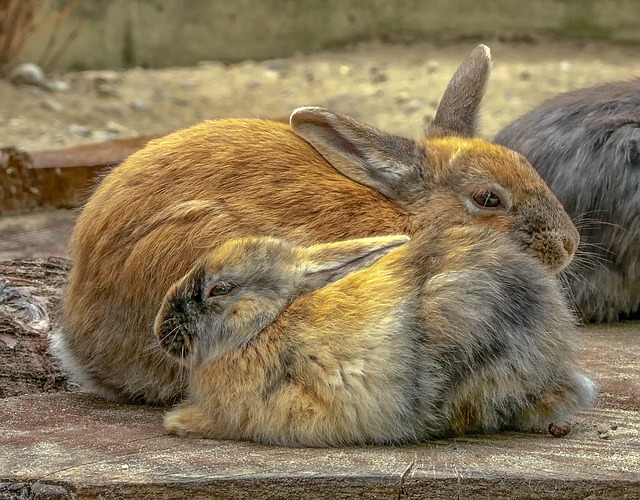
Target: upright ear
[
  {"x": 389, "y": 164},
  {"x": 325, "y": 263},
  {"x": 458, "y": 110}
]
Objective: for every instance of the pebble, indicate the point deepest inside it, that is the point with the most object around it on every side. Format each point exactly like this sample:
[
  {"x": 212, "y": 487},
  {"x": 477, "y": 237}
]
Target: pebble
[
  {"x": 137, "y": 105},
  {"x": 56, "y": 86},
  {"x": 377, "y": 75},
  {"x": 560, "y": 428},
  {"x": 33, "y": 90},
  {"x": 80, "y": 130},
  {"x": 27, "y": 74},
  {"x": 309, "y": 75},
  {"x": 281, "y": 66},
  {"x": 432, "y": 67},
  {"x": 158, "y": 94},
  {"x": 413, "y": 106},
  {"x": 115, "y": 128},
  {"x": 271, "y": 75},
  {"x": 180, "y": 101},
  {"x": 524, "y": 75},
  {"x": 212, "y": 65},
  {"x": 100, "y": 77},
  {"x": 402, "y": 97},
  {"x": 604, "y": 430},
  {"x": 102, "y": 135},
  {"x": 105, "y": 90},
  {"x": 59, "y": 138},
  {"x": 52, "y": 105}
]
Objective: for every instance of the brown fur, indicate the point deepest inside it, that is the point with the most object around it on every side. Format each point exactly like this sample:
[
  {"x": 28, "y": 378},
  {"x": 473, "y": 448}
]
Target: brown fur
[{"x": 328, "y": 178}]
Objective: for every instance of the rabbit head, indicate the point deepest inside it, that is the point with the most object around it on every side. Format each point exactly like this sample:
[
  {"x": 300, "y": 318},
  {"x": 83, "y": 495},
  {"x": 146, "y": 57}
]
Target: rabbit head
[
  {"x": 474, "y": 181},
  {"x": 233, "y": 292}
]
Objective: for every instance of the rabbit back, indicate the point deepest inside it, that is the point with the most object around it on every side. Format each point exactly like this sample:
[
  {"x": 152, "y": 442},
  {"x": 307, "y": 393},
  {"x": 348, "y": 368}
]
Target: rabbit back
[
  {"x": 327, "y": 178},
  {"x": 335, "y": 368}
]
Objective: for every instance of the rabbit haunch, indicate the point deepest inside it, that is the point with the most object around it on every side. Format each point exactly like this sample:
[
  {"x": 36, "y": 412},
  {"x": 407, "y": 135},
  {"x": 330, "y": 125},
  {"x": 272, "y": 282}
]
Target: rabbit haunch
[
  {"x": 451, "y": 333},
  {"x": 326, "y": 178},
  {"x": 586, "y": 144}
]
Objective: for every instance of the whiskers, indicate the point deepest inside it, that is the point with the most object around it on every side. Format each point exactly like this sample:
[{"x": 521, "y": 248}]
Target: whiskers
[
  {"x": 591, "y": 254},
  {"x": 160, "y": 359},
  {"x": 586, "y": 221},
  {"x": 592, "y": 257}
]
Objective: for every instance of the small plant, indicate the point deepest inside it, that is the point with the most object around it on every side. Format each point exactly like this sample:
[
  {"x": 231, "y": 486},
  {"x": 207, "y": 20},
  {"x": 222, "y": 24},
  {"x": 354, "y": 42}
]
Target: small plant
[
  {"x": 19, "y": 19},
  {"x": 16, "y": 24}
]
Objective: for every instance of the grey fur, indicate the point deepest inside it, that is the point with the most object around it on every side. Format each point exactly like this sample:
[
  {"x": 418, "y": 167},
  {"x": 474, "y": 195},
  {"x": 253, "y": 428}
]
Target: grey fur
[
  {"x": 586, "y": 145},
  {"x": 457, "y": 113},
  {"x": 479, "y": 338}
]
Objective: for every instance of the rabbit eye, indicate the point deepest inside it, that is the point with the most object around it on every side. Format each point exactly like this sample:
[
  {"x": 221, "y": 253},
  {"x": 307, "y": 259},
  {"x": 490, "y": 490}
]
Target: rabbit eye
[
  {"x": 219, "y": 288},
  {"x": 487, "y": 200}
]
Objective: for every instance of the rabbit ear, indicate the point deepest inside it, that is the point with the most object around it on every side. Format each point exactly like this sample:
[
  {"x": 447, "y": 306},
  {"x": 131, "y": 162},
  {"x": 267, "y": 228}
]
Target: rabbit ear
[
  {"x": 325, "y": 263},
  {"x": 458, "y": 110},
  {"x": 389, "y": 164}
]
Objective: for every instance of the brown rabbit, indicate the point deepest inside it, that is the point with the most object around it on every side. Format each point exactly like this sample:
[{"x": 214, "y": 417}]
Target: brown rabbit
[
  {"x": 327, "y": 178},
  {"x": 456, "y": 331}
]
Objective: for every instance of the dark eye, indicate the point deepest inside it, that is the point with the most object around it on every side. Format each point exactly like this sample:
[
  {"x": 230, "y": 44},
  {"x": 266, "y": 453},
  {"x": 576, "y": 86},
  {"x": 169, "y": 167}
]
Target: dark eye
[
  {"x": 487, "y": 200},
  {"x": 219, "y": 288}
]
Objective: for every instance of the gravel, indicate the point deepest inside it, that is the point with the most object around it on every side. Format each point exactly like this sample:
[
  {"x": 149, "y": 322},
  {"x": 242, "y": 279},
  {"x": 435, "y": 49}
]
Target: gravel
[{"x": 393, "y": 86}]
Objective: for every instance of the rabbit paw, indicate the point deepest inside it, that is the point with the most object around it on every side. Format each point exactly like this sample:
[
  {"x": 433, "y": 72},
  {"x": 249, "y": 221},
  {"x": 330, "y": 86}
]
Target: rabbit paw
[
  {"x": 185, "y": 420},
  {"x": 576, "y": 393}
]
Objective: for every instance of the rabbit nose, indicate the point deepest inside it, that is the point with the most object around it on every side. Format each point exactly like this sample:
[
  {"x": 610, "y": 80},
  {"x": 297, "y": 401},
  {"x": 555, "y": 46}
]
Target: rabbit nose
[
  {"x": 571, "y": 242},
  {"x": 569, "y": 246},
  {"x": 179, "y": 306}
]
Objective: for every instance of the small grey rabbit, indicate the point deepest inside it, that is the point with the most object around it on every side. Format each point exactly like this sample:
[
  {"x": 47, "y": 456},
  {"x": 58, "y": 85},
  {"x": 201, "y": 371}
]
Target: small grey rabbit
[
  {"x": 586, "y": 145},
  {"x": 456, "y": 331}
]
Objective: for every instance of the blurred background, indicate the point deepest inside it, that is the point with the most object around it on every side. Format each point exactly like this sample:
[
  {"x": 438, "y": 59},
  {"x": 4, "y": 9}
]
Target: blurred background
[{"x": 100, "y": 73}]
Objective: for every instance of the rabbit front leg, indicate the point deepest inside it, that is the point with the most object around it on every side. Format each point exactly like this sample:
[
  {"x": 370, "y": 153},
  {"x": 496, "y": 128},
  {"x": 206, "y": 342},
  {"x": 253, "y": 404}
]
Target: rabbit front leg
[
  {"x": 294, "y": 417},
  {"x": 188, "y": 419}
]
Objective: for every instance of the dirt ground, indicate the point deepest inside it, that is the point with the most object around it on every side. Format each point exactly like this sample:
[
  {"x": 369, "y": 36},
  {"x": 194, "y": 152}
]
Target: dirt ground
[{"x": 395, "y": 86}]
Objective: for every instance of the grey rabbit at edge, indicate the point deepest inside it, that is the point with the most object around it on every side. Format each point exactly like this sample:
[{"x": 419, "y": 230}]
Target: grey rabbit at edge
[
  {"x": 324, "y": 178},
  {"x": 586, "y": 145},
  {"x": 457, "y": 331}
]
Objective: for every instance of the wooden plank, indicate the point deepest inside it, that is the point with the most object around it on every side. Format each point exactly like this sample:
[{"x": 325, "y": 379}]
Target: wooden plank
[
  {"x": 58, "y": 178},
  {"x": 90, "y": 447},
  {"x": 89, "y": 155}
]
